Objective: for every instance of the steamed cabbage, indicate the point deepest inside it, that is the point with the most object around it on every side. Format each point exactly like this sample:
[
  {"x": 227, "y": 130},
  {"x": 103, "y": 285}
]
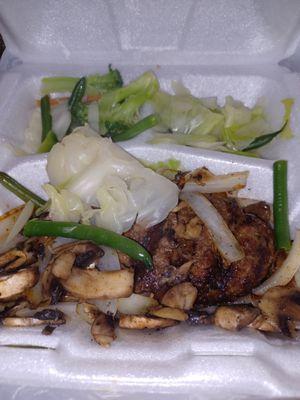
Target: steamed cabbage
[
  {"x": 201, "y": 122},
  {"x": 185, "y": 114},
  {"x": 64, "y": 205},
  {"x": 288, "y": 106},
  {"x": 114, "y": 188}
]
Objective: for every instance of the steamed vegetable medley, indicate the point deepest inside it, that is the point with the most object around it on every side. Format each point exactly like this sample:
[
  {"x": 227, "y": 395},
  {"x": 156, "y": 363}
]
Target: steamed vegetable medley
[
  {"x": 122, "y": 112},
  {"x": 145, "y": 247}
]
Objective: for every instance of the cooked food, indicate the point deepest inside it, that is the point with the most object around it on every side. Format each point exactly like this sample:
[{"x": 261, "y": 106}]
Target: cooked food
[
  {"x": 146, "y": 250},
  {"x": 144, "y": 322},
  {"x": 101, "y": 284},
  {"x": 103, "y": 329},
  {"x": 182, "y": 296},
  {"x": 184, "y": 238},
  {"x": 235, "y": 317},
  {"x": 117, "y": 111}
]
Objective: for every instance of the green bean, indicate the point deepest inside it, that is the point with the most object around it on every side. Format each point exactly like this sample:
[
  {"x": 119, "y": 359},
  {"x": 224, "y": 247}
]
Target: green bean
[
  {"x": 97, "y": 235},
  {"x": 74, "y": 102},
  {"x": 77, "y": 94},
  {"x": 48, "y": 136},
  {"x": 19, "y": 190},
  {"x": 280, "y": 206},
  {"x": 46, "y": 116},
  {"x": 139, "y": 127}
]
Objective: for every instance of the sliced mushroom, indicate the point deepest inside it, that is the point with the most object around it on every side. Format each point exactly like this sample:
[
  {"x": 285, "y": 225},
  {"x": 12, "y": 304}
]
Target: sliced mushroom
[
  {"x": 12, "y": 285},
  {"x": 94, "y": 284},
  {"x": 20, "y": 309},
  {"x": 48, "y": 330},
  {"x": 265, "y": 324},
  {"x": 88, "y": 312},
  {"x": 45, "y": 317},
  {"x": 46, "y": 280},
  {"x": 169, "y": 313},
  {"x": 78, "y": 254},
  {"x": 12, "y": 260},
  {"x": 10, "y": 308},
  {"x": 67, "y": 297},
  {"x": 143, "y": 322},
  {"x": 103, "y": 330},
  {"x": 86, "y": 252},
  {"x": 35, "y": 248},
  {"x": 65, "y": 257},
  {"x": 16, "y": 322},
  {"x": 51, "y": 316},
  {"x": 181, "y": 296},
  {"x": 26, "y": 253},
  {"x": 57, "y": 250},
  {"x": 35, "y": 295},
  {"x": 62, "y": 266},
  {"x": 196, "y": 318},
  {"x": 282, "y": 306},
  {"x": 235, "y": 317},
  {"x": 52, "y": 290}
]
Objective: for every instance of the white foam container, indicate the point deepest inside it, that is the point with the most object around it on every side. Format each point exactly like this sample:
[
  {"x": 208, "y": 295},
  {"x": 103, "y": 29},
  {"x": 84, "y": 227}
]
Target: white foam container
[{"x": 217, "y": 48}]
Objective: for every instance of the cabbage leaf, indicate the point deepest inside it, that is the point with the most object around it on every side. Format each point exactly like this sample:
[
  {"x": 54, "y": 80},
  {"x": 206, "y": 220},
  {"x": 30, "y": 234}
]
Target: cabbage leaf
[
  {"x": 201, "y": 122},
  {"x": 114, "y": 188}
]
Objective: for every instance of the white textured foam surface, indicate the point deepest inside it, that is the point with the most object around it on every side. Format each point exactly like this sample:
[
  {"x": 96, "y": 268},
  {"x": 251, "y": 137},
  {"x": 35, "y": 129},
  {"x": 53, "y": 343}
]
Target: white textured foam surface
[
  {"x": 181, "y": 362},
  {"x": 159, "y": 31}
]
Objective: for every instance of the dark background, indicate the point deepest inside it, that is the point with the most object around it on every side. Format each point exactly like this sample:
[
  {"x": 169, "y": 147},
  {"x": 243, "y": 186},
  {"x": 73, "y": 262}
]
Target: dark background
[{"x": 2, "y": 46}]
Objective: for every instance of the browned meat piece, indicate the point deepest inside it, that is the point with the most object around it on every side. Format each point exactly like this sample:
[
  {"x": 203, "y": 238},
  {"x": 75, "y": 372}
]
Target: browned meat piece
[
  {"x": 260, "y": 209},
  {"x": 183, "y": 250}
]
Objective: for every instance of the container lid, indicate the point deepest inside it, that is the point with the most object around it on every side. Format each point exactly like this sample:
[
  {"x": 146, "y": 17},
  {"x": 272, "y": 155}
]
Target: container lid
[{"x": 156, "y": 32}]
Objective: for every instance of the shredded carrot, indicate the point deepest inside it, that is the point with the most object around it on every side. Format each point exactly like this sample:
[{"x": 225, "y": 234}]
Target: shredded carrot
[
  {"x": 53, "y": 102},
  {"x": 90, "y": 99},
  {"x": 58, "y": 100}
]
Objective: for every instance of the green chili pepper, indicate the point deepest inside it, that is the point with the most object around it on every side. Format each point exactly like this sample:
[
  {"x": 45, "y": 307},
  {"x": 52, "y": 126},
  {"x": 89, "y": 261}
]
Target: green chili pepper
[
  {"x": 261, "y": 141},
  {"x": 280, "y": 205},
  {"x": 19, "y": 190},
  {"x": 139, "y": 127},
  {"x": 75, "y": 102},
  {"x": 97, "y": 235}
]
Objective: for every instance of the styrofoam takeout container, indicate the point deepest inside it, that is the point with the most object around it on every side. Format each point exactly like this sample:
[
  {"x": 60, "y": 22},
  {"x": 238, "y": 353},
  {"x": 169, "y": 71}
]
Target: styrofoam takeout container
[{"x": 217, "y": 48}]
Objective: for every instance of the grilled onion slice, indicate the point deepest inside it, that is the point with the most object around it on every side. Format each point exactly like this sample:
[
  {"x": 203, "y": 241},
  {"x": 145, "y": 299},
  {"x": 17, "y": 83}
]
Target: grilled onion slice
[
  {"x": 218, "y": 183},
  {"x": 286, "y": 272},
  {"x": 222, "y": 236}
]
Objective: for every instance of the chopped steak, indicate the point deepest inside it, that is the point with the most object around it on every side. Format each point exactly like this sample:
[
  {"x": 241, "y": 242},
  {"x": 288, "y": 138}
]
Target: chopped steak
[
  {"x": 260, "y": 209},
  {"x": 183, "y": 250}
]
